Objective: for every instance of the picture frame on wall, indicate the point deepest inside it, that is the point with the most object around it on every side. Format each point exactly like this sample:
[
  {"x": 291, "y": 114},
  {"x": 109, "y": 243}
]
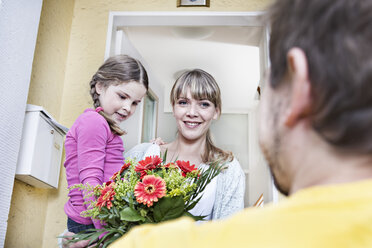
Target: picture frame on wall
[{"x": 193, "y": 3}]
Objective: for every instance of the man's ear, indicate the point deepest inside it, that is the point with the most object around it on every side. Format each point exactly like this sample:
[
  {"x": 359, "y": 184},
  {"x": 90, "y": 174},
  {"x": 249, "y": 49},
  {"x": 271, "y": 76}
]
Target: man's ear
[{"x": 300, "y": 96}]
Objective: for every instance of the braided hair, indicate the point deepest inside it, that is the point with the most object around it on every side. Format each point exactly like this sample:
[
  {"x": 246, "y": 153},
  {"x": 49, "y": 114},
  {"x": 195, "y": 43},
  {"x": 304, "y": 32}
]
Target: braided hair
[{"x": 114, "y": 71}]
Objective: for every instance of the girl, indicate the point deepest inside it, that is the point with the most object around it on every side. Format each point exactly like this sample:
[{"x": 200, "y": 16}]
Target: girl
[
  {"x": 94, "y": 149},
  {"x": 196, "y": 101}
]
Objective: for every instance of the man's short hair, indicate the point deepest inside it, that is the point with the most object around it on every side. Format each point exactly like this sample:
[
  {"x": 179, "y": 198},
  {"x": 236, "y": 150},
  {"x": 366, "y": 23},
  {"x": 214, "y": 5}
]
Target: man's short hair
[{"x": 336, "y": 36}]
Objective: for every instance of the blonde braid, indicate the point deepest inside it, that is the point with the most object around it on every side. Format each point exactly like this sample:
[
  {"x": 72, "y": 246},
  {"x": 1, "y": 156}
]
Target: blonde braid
[{"x": 93, "y": 92}]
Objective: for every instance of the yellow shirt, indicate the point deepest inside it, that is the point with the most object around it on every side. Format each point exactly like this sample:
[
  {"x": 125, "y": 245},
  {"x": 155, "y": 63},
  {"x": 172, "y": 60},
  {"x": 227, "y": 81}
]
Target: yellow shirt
[{"x": 327, "y": 216}]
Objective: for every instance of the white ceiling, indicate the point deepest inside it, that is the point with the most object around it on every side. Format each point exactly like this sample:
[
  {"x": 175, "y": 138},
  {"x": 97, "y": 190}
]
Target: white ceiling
[{"x": 229, "y": 53}]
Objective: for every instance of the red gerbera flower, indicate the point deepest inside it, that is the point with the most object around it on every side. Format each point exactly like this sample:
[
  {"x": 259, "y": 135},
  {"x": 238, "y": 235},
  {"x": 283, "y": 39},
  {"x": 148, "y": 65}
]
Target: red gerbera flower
[
  {"x": 123, "y": 168},
  {"x": 107, "y": 196},
  {"x": 149, "y": 190},
  {"x": 185, "y": 167},
  {"x": 149, "y": 163}
]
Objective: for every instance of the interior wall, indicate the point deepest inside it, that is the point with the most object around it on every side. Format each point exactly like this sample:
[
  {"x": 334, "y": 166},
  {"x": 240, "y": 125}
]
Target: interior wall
[
  {"x": 30, "y": 207},
  {"x": 67, "y": 56}
]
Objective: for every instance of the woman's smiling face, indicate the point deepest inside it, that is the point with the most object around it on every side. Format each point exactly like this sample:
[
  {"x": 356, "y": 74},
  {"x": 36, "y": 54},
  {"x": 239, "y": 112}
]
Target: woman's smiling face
[{"x": 193, "y": 117}]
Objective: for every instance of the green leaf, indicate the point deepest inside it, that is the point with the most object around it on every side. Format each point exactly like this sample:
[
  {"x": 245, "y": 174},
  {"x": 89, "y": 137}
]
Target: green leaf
[
  {"x": 129, "y": 214},
  {"x": 168, "y": 208},
  {"x": 193, "y": 203},
  {"x": 196, "y": 218},
  {"x": 206, "y": 176},
  {"x": 160, "y": 173},
  {"x": 110, "y": 240},
  {"x": 165, "y": 155}
]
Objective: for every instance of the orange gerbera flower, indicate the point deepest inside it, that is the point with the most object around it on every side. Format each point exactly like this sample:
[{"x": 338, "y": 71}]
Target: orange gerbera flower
[
  {"x": 107, "y": 196},
  {"x": 149, "y": 163},
  {"x": 185, "y": 167},
  {"x": 149, "y": 190}
]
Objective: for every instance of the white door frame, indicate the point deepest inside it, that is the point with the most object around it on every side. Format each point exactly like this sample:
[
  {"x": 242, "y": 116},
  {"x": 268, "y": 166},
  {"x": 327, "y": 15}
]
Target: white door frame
[{"x": 203, "y": 18}]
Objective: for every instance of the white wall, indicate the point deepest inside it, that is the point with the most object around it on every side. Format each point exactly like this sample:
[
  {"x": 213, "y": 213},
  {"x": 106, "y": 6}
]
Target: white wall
[{"x": 19, "y": 22}]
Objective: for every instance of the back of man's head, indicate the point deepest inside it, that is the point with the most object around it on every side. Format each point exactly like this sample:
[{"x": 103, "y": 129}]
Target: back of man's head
[{"x": 336, "y": 37}]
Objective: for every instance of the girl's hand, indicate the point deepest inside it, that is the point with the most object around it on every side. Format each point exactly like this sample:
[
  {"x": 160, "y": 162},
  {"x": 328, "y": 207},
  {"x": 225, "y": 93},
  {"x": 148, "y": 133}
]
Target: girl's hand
[
  {"x": 158, "y": 141},
  {"x": 80, "y": 244}
]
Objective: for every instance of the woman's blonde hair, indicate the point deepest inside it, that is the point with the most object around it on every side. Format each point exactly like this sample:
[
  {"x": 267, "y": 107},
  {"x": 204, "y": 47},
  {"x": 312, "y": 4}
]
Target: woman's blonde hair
[
  {"x": 114, "y": 71},
  {"x": 202, "y": 86}
]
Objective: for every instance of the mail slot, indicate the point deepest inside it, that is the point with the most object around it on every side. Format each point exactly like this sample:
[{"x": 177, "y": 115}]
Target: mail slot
[{"x": 39, "y": 159}]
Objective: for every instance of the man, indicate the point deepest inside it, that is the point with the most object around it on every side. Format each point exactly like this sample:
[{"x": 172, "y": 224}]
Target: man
[{"x": 316, "y": 133}]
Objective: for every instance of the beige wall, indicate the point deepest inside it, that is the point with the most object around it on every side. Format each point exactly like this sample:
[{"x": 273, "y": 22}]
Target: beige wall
[{"x": 67, "y": 55}]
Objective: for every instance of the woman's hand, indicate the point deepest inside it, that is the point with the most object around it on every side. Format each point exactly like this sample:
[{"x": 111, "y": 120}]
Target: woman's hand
[{"x": 158, "y": 141}]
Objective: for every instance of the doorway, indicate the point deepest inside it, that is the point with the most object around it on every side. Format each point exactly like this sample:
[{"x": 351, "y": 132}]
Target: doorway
[{"x": 232, "y": 46}]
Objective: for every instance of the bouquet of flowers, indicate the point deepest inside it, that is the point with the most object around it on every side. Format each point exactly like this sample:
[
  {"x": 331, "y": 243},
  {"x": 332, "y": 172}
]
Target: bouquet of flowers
[{"x": 148, "y": 191}]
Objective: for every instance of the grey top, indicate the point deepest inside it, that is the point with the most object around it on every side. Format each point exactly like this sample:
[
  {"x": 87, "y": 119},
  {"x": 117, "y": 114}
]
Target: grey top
[{"x": 229, "y": 197}]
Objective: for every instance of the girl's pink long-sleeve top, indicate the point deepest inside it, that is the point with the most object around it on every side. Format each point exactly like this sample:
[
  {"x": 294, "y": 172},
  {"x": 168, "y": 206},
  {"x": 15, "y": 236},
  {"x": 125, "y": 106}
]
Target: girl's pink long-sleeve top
[{"x": 93, "y": 155}]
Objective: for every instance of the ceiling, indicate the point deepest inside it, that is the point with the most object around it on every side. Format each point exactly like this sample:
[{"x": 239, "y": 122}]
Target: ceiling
[{"x": 229, "y": 53}]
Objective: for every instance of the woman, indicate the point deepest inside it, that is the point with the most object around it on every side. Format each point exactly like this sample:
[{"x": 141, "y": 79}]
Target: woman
[{"x": 196, "y": 101}]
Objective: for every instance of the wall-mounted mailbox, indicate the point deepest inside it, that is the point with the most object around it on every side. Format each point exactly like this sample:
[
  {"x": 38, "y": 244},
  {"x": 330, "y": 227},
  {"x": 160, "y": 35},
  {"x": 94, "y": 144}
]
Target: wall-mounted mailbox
[{"x": 40, "y": 153}]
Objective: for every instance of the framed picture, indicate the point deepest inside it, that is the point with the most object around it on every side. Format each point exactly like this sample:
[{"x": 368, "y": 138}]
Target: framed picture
[{"x": 193, "y": 3}]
